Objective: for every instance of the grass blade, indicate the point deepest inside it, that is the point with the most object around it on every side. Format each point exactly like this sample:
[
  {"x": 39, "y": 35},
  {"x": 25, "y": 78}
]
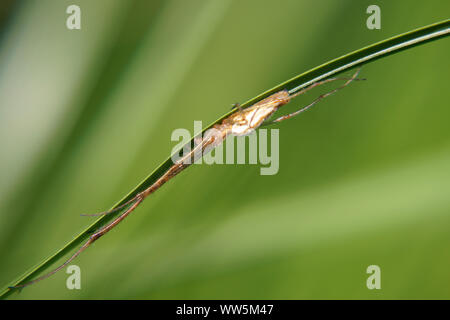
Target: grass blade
[{"x": 341, "y": 64}]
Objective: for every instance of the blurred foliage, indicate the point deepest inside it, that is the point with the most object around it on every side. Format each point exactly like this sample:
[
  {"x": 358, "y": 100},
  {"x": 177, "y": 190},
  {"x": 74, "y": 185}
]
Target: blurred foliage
[{"x": 85, "y": 115}]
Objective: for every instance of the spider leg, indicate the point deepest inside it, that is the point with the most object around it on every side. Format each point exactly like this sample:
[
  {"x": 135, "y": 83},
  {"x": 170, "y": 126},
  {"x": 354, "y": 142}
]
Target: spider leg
[
  {"x": 322, "y": 96},
  {"x": 110, "y": 211}
]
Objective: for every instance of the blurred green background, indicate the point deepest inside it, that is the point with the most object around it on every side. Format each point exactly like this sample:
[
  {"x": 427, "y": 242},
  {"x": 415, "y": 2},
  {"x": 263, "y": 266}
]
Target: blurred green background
[{"x": 85, "y": 115}]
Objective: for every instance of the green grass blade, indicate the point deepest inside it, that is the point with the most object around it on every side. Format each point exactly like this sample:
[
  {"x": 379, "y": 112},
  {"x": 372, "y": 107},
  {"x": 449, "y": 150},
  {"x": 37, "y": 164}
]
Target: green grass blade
[{"x": 341, "y": 64}]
